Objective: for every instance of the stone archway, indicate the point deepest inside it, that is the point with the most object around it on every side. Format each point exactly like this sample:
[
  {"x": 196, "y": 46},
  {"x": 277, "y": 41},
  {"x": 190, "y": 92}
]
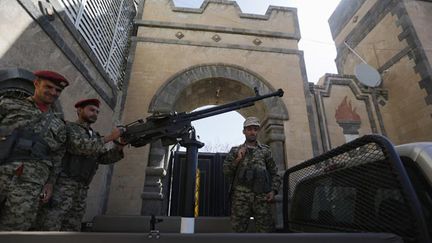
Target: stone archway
[
  {"x": 168, "y": 94},
  {"x": 211, "y": 84}
]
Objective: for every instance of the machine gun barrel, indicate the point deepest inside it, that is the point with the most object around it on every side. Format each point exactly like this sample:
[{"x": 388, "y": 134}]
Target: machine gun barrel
[
  {"x": 235, "y": 105},
  {"x": 171, "y": 127}
]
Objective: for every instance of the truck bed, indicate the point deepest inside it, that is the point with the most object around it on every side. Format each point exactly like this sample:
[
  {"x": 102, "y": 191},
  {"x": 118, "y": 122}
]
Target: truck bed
[{"x": 63, "y": 237}]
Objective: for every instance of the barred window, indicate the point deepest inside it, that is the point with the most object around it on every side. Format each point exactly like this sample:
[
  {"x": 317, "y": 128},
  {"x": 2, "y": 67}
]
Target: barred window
[{"x": 106, "y": 26}]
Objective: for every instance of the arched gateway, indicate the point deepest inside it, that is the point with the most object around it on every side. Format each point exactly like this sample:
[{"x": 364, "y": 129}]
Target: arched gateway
[
  {"x": 215, "y": 83},
  {"x": 211, "y": 84},
  {"x": 187, "y": 58}
]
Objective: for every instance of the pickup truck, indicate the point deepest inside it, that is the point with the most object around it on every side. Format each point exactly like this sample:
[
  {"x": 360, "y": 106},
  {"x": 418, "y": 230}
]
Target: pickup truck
[
  {"x": 367, "y": 185},
  {"x": 364, "y": 191}
]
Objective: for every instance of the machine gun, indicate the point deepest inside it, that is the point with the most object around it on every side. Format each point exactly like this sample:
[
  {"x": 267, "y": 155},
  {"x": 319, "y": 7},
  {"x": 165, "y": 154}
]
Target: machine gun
[
  {"x": 172, "y": 127},
  {"x": 175, "y": 128}
]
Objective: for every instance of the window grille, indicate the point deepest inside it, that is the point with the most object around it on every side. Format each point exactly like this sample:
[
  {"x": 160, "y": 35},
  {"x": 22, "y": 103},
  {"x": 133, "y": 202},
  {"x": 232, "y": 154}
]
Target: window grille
[{"x": 106, "y": 27}]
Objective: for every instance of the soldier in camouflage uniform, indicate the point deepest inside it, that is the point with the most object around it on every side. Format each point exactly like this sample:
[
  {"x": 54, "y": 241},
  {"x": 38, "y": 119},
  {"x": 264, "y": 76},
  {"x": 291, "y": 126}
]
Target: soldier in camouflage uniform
[
  {"x": 85, "y": 150},
  {"x": 255, "y": 181},
  {"x": 32, "y": 144}
]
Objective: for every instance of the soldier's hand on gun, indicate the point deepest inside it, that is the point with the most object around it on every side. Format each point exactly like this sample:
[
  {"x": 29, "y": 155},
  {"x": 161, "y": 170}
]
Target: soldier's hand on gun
[
  {"x": 241, "y": 153},
  {"x": 270, "y": 196},
  {"x": 114, "y": 135},
  {"x": 46, "y": 193},
  {"x": 120, "y": 143}
]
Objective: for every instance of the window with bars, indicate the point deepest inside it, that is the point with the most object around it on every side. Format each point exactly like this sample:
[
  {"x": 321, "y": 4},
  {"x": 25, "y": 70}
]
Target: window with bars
[{"x": 106, "y": 26}]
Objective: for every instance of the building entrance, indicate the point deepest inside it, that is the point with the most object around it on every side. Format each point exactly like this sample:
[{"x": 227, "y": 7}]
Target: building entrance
[{"x": 212, "y": 185}]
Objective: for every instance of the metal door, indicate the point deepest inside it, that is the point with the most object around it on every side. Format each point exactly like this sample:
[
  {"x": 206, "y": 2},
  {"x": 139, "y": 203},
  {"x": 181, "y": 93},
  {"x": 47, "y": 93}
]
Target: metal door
[{"x": 213, "y": 186}]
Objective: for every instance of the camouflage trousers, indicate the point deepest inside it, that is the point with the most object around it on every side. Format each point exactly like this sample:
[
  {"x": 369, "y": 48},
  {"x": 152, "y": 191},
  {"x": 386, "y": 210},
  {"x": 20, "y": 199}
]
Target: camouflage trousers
[
  {"x": 246, "y": 204},
  {"x": 66, "y": 208},
  {"x": 19, "y": 196}
]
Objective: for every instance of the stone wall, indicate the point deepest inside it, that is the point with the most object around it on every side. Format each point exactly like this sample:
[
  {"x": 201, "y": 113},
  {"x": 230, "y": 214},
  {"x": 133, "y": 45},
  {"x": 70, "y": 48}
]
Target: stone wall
[
  {"x": 182, "y": 57},
  {"x": 340, "y": 98},
  {"x": 393, "y": 36}
]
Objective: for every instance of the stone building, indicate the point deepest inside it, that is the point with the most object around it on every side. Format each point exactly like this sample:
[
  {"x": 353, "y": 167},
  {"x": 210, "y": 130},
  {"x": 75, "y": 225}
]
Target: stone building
[
  {"x": 182, "y": 58},
  {"x": 188, "y": 58}
]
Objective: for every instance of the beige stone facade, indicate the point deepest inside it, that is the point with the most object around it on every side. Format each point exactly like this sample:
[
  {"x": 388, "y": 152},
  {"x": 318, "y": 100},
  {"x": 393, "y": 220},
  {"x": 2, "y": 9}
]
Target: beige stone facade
[
  {"x": 188, "y": 58},
  {"x": 394, "y": 38},
  {"x": 344, "y": 110}
]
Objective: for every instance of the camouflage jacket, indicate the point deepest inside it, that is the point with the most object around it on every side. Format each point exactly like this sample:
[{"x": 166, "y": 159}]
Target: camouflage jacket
[
  {"x": 23, "y": 113},
  {"x": 83, "y": 141},
  {"x": 256, "y": 158}
]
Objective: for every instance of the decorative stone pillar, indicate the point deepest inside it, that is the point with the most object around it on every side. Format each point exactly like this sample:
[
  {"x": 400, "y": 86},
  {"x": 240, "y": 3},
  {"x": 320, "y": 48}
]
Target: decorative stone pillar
[
  {"x": 274, "y": 136},
  {"x": 152, "y": 196},
  {"x": 272, "y": 130},
  {"x": 348, "y": 119}
]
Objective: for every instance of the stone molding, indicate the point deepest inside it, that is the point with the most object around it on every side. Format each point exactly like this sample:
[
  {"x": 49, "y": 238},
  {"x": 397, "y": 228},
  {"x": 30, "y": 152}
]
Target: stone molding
[
  {"x": 273, "y": 127},
  {"x": 206, "y": 3},
  {"x": 155, "y": 171},
  {"x": 360, "y": 93},
  {"x": 217, "y": 45},
  {"x": 309, "y": 107},
  {"x": 343, "y": 13},
  {"x": 350, "y": 127},
  {"x": 417, "y": 52},
  {"x": 218, "y": 29}
]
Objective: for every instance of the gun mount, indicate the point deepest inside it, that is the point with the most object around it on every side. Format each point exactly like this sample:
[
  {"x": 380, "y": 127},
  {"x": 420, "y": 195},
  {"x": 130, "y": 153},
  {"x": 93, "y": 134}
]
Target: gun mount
[{"x": 171, "y": 127}]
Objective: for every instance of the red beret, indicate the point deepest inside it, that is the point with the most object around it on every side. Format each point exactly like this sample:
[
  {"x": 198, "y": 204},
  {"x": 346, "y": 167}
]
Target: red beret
[
  {"x": 86, "y": 102},
  {"x": 53, "y": 77}
]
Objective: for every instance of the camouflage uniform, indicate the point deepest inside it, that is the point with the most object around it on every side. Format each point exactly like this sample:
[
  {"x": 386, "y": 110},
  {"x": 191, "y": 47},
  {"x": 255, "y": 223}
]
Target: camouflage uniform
[
  {"x": 255, "y": 176},
  {"x": 22, "y": 179},
  {"x": 68, "y": 203}
]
